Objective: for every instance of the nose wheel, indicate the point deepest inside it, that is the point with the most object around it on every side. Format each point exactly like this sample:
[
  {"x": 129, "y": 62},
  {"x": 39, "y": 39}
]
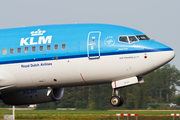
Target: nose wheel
[{"x": 115, "y": 99}]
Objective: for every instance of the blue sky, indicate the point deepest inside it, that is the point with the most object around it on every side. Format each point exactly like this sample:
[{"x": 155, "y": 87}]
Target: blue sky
[{"x": 159, "y": 19}]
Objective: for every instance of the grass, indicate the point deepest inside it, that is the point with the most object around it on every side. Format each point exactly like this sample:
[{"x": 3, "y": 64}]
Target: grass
[
  {"x": 88, "y": 114},
  {"x": 110, "y": 112}
]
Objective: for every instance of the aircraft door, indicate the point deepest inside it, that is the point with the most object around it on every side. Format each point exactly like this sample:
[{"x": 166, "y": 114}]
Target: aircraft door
[{"x": 93, "y": 45}]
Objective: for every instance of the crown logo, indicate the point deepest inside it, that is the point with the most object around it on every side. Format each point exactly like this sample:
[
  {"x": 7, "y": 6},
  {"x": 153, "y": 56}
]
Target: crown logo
[{"x": 38, "y": 32}]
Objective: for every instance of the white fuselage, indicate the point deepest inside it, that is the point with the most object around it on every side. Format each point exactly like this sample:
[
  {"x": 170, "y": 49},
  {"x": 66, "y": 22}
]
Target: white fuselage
[{"x": 79, "y": 71}]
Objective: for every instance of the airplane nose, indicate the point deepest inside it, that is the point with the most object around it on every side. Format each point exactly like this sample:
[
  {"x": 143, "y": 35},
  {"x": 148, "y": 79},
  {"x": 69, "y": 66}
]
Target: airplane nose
[{"x": 162, "y": 54}]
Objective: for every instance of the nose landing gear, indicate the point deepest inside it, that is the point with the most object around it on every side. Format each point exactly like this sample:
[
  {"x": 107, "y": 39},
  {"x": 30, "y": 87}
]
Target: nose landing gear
[{"x": 115, "y": 99}]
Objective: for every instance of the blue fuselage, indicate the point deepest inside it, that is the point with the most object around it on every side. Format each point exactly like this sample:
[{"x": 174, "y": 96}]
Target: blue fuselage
[{"x": 76, "y": 38}]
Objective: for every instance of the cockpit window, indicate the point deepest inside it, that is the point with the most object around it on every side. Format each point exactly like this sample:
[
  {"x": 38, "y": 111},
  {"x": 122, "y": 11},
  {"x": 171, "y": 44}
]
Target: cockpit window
[
  {"x": 123, "y": 39},
  {"x": 132, "y": 39},
  {"x": 142, "y": 37}
]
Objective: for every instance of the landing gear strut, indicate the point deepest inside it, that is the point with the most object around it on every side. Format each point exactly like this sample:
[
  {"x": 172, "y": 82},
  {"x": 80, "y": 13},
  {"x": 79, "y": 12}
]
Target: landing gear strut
[{"x": 116, "y": 100}]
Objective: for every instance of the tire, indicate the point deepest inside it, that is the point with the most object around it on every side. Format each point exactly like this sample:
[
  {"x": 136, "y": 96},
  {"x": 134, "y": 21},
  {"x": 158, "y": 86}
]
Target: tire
[
  {"x": 115, "y": 101},
  {"x": 121, "y": 101}
]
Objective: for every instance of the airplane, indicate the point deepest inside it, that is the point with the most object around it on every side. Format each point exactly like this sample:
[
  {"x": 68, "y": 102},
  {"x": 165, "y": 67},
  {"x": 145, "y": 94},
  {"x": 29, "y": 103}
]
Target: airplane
[{"x": 38, "y": 62}]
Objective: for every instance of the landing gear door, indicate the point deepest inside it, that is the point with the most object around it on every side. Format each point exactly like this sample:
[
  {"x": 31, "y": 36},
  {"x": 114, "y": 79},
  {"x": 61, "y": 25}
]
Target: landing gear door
[{"x": 93, "y": 45}]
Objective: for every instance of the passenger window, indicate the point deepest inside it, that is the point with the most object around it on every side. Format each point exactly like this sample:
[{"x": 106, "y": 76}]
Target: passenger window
[
  {"x": 48, "y": 47},
  {"x": 63, "y": 46},
  {"x": 12, "y": 50},
  {"x": 18, "y": 50},
  {"x": 41, "y": 48},
  {"x": 55, "y": 46},
  {"x": 4, "y": 51},
  {"x": 123, "y": 39},
  {"x": 26, "y": 49},
  {"x": 33, "y": 48},
  {"x": 132, "y": 39}
]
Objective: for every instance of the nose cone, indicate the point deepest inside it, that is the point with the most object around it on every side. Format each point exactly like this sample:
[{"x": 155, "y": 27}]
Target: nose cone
[{"x": 162, "y": 54}]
